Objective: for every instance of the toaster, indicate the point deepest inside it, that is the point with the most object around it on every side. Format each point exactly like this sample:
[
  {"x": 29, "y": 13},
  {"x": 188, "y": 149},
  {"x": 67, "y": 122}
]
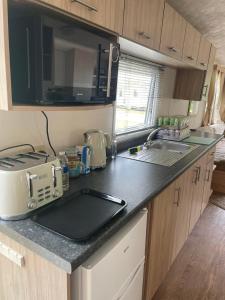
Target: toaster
[{"x": 28, "y": 181}]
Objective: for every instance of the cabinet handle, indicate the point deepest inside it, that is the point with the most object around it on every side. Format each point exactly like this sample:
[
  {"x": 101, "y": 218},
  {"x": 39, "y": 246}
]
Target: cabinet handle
[
  {"x": 190, "y": 57},
  {"x": 145, "y": 35},
  {"x": 12, "y": 255},
  {"x": 90, "y": 7},
  {"x": 203, "y": 64},
  {"x": 177, "y": 191},
  {"x": 195, "y": 179},
  {"x": 208, "y": 175},
  {"x": 173, "y": 49},
  {"x": 199, "y": 173},
  {"x": 205, "y": 90}
]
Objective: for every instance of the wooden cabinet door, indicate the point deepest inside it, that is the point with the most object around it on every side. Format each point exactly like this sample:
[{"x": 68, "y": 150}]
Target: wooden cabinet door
[
  {"x": 36, "y": 279},
  {"x": 191, "y": 44},
  {"x": 173, "y": 32},
  {"x": 143, "y": 21},
  {"x": 159, "y": 257},
  {"x": 209, "y": 72},
  {"x": 203, "y": 54},
  {"x": 207, "y": 184},
  {"x": 198, "y": 180},
  {"x": 183, "y": 197},
  {"x": 208, "y": 178},
  {"x": 105, "y": 13}
]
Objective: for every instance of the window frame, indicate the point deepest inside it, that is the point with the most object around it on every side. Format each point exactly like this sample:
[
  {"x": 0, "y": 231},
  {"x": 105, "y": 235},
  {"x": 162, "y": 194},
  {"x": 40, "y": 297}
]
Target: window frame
[{"x": 151, "y": 105}]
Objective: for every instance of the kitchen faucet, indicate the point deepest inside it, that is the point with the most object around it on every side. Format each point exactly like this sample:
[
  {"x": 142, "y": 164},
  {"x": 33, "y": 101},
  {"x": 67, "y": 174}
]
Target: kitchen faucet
[{"x": 150, "y": 137}]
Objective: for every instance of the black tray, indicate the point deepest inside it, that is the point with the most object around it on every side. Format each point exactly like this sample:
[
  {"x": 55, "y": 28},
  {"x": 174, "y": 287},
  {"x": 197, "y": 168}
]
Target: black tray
[{"x": 81, "y": 215}]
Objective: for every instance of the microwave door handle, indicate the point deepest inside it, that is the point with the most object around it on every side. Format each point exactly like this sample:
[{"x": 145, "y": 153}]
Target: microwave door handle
[
  {"x": 109, "y": 70},
  {"x": 28, "y": 56}
]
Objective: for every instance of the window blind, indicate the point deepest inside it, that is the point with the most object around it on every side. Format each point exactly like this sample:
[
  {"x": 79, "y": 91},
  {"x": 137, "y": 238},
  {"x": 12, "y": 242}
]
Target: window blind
[{"x": 137, "y": 94}]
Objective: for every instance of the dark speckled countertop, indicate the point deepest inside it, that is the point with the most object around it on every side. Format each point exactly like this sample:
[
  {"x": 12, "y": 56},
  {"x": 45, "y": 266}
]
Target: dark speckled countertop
[{"x": 133, "y": 181}]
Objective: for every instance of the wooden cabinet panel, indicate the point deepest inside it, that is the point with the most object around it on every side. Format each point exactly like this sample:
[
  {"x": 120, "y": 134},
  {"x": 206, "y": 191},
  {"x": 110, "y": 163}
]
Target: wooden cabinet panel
[
  {"x": 209, "y": 72},
  {"x": 36, "y": 279},
  {"x": 191, "y": 45},
  {"x": 161, "y": 241},
  {"x": 173, "y": 32},
  {"x": 189, "y": 84},
  {"x": 105, "y": 13},
  {"x": 143, "y": 21},
  {"x": 207, "y": 184},
  {"x": 203, "y": 54},
  {"x": 198, "y": 180},
  {"x": 183, "y": 194},
  {"x": 5, "y": 79}
]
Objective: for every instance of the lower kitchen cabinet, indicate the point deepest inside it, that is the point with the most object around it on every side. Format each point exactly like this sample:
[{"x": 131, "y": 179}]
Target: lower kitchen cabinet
[
  {"x": 27, "y": 276},
  {"x": 174, "y": 213},
  {"x": 198, "y": 181},
  {"x": 183, "y": 188},
  {"x": 207, "y": 192},
  {"x": 160, "y": 248}
]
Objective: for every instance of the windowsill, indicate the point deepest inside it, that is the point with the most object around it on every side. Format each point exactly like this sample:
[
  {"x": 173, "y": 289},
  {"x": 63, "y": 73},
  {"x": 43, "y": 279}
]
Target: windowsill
[{"x": 131, "y": 139}]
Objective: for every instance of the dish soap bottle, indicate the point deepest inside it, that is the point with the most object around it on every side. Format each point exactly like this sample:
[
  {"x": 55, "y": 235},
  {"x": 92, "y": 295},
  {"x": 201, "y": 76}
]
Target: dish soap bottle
[{"x": 65, "y": 171}]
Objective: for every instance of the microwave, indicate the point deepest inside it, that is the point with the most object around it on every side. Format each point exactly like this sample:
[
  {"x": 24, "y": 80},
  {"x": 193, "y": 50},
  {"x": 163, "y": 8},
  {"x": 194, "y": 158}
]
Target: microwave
[{"x": 56, "y": 60}]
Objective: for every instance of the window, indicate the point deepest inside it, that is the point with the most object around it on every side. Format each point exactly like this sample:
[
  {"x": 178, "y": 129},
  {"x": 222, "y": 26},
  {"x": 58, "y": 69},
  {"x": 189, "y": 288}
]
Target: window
[{"x": 137, "y": 94}]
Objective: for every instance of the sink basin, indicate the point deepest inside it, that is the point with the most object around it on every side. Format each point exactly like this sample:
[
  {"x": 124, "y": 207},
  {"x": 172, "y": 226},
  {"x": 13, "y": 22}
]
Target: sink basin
[
  {"x": 161, "y": 152},
  {"x": 170, "y": 146}
]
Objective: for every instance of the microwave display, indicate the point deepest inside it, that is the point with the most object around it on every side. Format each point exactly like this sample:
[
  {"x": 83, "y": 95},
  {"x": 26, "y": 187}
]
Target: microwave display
[{"x": 58, "y": 61}]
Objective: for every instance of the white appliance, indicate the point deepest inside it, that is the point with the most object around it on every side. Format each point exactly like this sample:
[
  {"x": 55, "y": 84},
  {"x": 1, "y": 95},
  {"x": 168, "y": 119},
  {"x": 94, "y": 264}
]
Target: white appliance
[
  {"x": 98, "y": 141},
  {"x": 115, "y": 272},
  {"x": 27, "y": 182}
]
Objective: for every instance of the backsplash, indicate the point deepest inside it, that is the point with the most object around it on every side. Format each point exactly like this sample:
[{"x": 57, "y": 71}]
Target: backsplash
[{"x": 65, "y": 128}]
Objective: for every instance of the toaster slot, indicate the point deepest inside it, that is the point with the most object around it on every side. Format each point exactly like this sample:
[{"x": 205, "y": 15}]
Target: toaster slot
[
  {"x": 29, "y": 156},
  {"x": 5, "y": 164},
  {"x": 39, "y": 154},
  {"x": 14, "y": 160}
]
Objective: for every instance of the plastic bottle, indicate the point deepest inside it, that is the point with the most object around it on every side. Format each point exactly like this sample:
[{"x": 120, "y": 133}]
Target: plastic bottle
[
  {"x": 65, "y": 171},
  {"x": 114, "y": 148}
]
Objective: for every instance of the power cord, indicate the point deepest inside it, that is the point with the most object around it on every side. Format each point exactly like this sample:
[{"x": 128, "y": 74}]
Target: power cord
[
  {"x": 18, "y": 146},
  {"x": 47, "y": 133}
]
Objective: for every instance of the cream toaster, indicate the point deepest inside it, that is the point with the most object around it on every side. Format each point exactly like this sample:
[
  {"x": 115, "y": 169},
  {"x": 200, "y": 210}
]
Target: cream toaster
[{"x": 28, "y": 181}]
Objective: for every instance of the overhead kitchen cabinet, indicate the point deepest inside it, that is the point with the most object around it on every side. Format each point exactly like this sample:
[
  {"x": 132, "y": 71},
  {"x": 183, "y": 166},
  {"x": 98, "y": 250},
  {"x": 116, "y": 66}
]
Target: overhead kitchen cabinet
[
  {"x": 193, "y": 84},
  {"x": 105, "y": 13},
  {"x": 191, "y": 45},
  {"x": 203, "y": 54},
  {"x": 173, "y": 33},
  {"x": 143, "y": 21},
  {"x": 209, "y": 72}
]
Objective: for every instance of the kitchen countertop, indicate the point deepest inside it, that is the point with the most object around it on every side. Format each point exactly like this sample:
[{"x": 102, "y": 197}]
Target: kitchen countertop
[{"x": 133, "y": 181}]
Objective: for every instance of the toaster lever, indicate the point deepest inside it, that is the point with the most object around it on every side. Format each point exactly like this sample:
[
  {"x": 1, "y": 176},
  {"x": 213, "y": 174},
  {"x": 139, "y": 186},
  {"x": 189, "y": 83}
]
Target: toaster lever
[
  {"x": 30, "y": 178},
  {"x": 54, "y": 178}
]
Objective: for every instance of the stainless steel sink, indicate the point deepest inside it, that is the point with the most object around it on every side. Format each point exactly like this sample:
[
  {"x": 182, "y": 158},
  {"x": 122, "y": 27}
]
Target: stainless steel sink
[
  {"x": 163, "y": 153},
  {"x": 170, "y": 146}
]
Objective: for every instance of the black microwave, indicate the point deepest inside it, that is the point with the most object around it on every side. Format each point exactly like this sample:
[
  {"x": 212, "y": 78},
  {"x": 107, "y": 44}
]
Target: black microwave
[{"x": 56, "y": 60}]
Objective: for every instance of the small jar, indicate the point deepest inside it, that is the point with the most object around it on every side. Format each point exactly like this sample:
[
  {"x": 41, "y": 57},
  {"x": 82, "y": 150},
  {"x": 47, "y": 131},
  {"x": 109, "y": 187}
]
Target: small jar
[{"x": 74, "y": 162}]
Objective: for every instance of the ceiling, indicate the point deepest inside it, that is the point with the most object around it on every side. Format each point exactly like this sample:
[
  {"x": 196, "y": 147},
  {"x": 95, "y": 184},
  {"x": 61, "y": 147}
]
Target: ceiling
[{"x": 208, "y": 16}]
